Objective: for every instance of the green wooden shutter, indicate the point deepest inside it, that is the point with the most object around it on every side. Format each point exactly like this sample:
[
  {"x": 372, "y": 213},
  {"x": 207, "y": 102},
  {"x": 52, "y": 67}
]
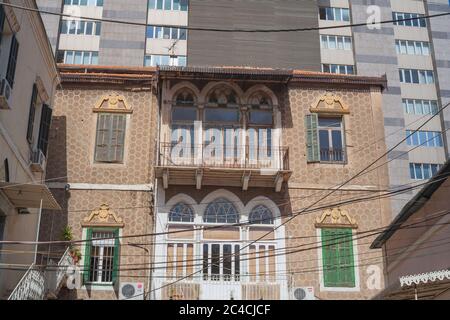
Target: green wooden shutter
[
  {"x": 346, "y": 259},
  {"x": 312, "y": 138},
  {"x": 116, "y": 256},
  {"x": 87, "y": 255},
  {"x": 338, "y": 259}
]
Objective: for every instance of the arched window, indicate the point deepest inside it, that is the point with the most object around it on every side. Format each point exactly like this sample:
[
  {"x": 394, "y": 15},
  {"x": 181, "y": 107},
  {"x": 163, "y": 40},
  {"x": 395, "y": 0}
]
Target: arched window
[
  {"x": 221, "y": 211},
  {"x": 261, "y": 215},
  {"x": 260, "y": 100},
  {"x": 181, "y": 212}
]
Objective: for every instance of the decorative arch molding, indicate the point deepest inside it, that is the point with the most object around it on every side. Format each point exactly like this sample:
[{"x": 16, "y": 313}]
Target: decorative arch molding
[
  {"x": 103, "y": 217},
  {"x": 330, "y": 103},
  {"x": 213, "y": 85},
  {"x": 113, "y": 103},
  {"x": 221, "y": 193},
  {"x": 336, "y": 218},
  {"x": 262, "y": 200},
  {"x": 184, "y": 85},
  {"x": 184, "y": 198},
  {"x": 260, "y": 88}
]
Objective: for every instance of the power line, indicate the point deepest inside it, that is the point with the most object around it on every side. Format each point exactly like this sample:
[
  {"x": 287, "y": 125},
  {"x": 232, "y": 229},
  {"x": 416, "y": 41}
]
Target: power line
[
  {"x": 333, "y": 191},
  {"x": 208, "y": 227},
  {"x": 300, "y": 29}
]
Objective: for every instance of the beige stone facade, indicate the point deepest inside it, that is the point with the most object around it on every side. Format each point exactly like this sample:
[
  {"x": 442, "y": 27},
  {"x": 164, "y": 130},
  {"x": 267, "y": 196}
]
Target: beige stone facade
[{"x": 227, "y": 222}]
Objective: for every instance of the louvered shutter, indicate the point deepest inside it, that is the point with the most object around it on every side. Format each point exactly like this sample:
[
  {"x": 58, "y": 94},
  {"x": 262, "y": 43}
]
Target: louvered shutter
[
  {"x": 31, "y": 114},
  {"x": 44, "y": 128},
  {"x": 12, "y": 62},
  {"x": 312, "y": 139}
]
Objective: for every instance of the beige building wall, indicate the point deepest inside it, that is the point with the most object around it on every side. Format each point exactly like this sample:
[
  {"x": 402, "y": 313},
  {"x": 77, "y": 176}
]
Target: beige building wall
[{"x": 35, "y": 64}]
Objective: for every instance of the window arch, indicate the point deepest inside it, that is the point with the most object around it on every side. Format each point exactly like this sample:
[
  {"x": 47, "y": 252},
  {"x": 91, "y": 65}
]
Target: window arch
[
  {"x": 181, "y": 212},
  {"x": 222, "y": 96},
  {"x": 221, "y": 211},
  {"x": 184, "y": 97},
  {"x": 261, "y": 215},
  {"x": 260, "y": 100}
]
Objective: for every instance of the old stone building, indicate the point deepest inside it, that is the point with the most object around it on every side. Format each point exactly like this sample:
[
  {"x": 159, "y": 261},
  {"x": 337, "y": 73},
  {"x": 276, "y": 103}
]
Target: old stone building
[{"x": 217, "y": 183}]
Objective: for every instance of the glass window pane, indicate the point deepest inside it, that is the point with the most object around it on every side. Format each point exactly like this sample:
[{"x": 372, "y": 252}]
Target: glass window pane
[
  {"x": 322, "y": 14},
  {"x": 415, "y": 76},
  {"x": 184, "y": 5},
  {"x": 184, "y": 114},
  {"x": 418, "y": 171},
  {"x": 167, "y": 4},
  {"x": 260, "y": 117},
  {"x": 94, "y": 58},
  {"x": 182, "y": 61},
  {"x": 221, "y": 114},
  {"x": 430, "y": 78},
  {"x": 159, "y": 4},
  {"x": 98, "y": 28},
  {"x": 415, "y": 139},
  {"x": 215, "y": 259},
  {"x": 410, "y": 47},
  {"x": 78, "y": 57},
  {"x": 423, "y": 138},
  {"x": 174, "y": 33},
  {"x": 89, "y": 27},
  {"x": 411, "y": 171},
  {"x": 332, "y": 42},
  {"x": 150, "y": 30},
  {"x": 69, "y": 57},
  {"x": 345, "y": 15},
  {"x": 158, "y": 33},
  {"x": 86, "y": 58},
  {"x": 425, "y": 48},
  {"x": 64, "y": 27},
  {"x": 166, "y": 33},
  {"x": 434, "y": 169},
  {"x": 176, "y": 5},
  {"x": 426, "y": 171},
  {"x": 183, "y": 34}
]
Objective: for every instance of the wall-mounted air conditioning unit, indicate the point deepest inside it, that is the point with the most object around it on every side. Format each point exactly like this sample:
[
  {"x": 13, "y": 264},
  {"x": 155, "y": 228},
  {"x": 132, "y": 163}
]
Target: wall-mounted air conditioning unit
[
  {"x": 131, "y": 291},
  {"x": 303, "y": 293},
  {"x": 5, "y": 94}
]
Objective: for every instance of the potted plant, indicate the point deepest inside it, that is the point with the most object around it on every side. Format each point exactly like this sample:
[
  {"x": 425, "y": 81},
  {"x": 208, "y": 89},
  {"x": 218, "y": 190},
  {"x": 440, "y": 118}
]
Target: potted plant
[{"x": 75, "y": 253}]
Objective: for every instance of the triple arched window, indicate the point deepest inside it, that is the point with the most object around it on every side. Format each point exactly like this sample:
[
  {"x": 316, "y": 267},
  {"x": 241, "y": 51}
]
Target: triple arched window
[{"x": 220, "y": 210}]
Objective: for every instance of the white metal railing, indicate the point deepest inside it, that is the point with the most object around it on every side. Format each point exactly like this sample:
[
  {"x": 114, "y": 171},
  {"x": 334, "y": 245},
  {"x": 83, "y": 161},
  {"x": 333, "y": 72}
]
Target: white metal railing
[
  {"x": 63, "y": 264},
  {"x": 31, "y": 286},
  {"x": 35, "y": 284}
]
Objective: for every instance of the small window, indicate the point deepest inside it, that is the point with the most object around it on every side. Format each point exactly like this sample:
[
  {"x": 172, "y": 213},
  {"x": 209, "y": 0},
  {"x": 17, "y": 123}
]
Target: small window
[
  {"x": 101, "y": 257},
  {"x": 32, "y": 113},
  {"x": 12, "y": 61},
  {"x": 331, "y": 140},
  {"x": 110, "y": 138}
]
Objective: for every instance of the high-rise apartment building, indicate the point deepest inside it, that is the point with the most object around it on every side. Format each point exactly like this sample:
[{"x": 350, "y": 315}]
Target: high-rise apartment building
[{"x": 412, "y": 53}]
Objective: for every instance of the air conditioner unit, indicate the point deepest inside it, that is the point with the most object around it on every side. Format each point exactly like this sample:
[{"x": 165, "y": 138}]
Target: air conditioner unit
[
  {"x": 38, "y": 161},
  {"x": 131, "y": 291},
  {"x": 5, "y": 94},
  {"x": 303, "y": 293}
]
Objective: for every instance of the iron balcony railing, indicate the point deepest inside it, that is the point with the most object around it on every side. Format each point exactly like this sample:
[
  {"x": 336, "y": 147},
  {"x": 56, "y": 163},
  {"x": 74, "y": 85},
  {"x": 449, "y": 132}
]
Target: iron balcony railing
[
  {"x": 208, "y": 155},
  {"x": 332, "y": 155}
]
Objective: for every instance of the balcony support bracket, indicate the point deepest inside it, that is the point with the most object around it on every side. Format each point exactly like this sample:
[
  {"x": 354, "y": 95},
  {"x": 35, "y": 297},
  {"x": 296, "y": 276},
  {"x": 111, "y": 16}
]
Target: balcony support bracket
[
  {"x": 165, "y": 176},
  {"x": 245, "y": 180},
  {"x": 198, "y": 178},
  {"x": 279, "y": 182}
]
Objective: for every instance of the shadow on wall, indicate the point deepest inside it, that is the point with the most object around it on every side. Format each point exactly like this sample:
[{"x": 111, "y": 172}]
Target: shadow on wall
[{"x": 53, "y": 222}]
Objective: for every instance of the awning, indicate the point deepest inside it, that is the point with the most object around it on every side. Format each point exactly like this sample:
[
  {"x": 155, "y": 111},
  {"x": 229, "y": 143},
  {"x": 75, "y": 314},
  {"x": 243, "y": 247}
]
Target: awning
[
  {"x": 29, "y": 195},
  {"x": 423, "y": 286}
]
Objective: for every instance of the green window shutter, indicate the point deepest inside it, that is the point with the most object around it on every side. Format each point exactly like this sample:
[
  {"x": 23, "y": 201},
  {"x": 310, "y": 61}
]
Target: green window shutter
[
  {"x": 87, "y": 255},
  {"x": 312, "y": 138},
  {"x": 338, "y": 259},
  {"x": 347, "y": 270},
  {"x": 31, "y": 114},
  {"x": 116, "y": 256}
]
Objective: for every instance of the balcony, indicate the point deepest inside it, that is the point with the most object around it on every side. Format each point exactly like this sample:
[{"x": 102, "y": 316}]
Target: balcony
[{"x": 204, "y": 164}]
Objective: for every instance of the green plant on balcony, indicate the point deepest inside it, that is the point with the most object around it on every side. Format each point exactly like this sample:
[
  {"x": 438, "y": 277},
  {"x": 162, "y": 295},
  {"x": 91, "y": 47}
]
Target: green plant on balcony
[{"x": 75, "y": 253}]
